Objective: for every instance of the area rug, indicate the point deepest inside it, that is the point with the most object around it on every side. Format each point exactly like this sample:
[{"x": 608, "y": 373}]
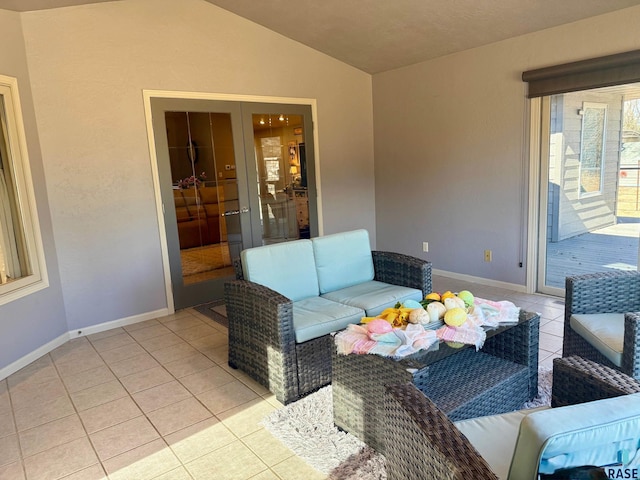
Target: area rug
[
  {"x": 306, "y": 427},
  {"x": 216, "y": 311}
]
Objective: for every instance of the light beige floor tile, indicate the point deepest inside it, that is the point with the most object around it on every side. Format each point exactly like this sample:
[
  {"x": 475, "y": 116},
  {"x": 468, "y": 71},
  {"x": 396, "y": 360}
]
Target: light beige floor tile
[
  {"x": 550, "y": 343},
  {"x": 133, "y": 365},
  {"x": 89, "y": 362},
  {"x": 52, "y": 434},
  {"x": 160, "y": 342},
  {"x": 227, "y": 396},
  {"x": 184, "y": 323},
  {"x": 266, "y": 475},
  {"x": 189, "y": 365},
  {"x": 5, "y": 403},
  {"x": 173, "y": 353},
  {"x": 72, "y": 350},
  {"x": 178, "y": 416},
  {"x": 161, "y": 396},
  {"x": 94, "y": 396},
  {"x": 210, "y": 341},
  {"x": 12, "y": 471},
  {"x": 115, "y": 341},
  {"x": 105, "y": 334},
  {"x": 61, "y": 460},
  {"x": 143, "y": 462},
  {"x": 199, "y": 439},
  {"x": 7, "y": 425},
  {"x": 295, "y": 468},
  {"x": 123, "y": 437},
  {"x": 149, "y": 332},
  {"x": 32, "y": 395},
  {"x": 40, "y": 371},
  {"x": 175, "y": 316},
  {"x": 146, "y": 379},
  {"x": 94, "y": 472},
  {"x": 122, "y": 353},
  {"x": 245, "y": 419},
  {"x": 47, "y": 412},
  {"x": 197, "y": 331},
  {"x": 547, "y": 359},
  {"x": 220, "y": 354},
  {"x": 251, "y": 383},
  {"x": 268, "y": 448},
  {"x": 231, "y": 462},
  {"x": 9, "y": 449},
  {"x": 88, "y": 379},
  {"x": 140, "y": 325},
  {"x": 109, "y": 414},
  {"x": 179, "y": 473},
  {"x": 206, "y": 380},
  {"x": 553, "y": 327}
]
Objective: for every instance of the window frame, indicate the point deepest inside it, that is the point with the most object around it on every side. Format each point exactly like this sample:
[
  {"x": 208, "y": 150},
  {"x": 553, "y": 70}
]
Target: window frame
[{"x": 26, "y": 204}]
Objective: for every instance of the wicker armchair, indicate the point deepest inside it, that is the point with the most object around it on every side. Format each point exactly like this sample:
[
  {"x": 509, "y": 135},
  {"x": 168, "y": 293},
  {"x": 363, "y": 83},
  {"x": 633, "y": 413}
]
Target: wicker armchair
[
  {"x": 262, "y": 340},
  {"x": 422, "y": 443},
  {"x": 600, "y": 293}
]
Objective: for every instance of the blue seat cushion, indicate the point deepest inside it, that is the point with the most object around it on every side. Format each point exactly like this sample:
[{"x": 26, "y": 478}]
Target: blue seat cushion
[
  {"x": 288, "y": 268},
  {"x": 373, "y": 296},
  {"x": 316, "y": 316},
  {"x": 343, "y": 259}
]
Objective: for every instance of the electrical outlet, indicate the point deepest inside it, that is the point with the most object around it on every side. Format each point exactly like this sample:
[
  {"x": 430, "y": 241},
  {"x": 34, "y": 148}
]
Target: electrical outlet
[
  {"x": 487, "y": 255},
  {"x": 425, "y": 246}
]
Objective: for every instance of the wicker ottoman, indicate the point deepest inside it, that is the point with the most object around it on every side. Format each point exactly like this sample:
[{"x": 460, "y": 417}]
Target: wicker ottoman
[{"x": 462, "y": 382}]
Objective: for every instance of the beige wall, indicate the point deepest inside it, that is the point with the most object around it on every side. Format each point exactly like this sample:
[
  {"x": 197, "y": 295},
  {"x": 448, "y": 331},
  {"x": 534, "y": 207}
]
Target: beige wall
[
  {"x": 451, "y": 146},
  {"x": 89, "y": 66}
]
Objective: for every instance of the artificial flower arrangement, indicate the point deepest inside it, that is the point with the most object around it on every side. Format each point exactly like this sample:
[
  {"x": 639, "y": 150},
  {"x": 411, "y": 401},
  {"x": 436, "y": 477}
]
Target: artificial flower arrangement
[{"x": 192, "y": 181}]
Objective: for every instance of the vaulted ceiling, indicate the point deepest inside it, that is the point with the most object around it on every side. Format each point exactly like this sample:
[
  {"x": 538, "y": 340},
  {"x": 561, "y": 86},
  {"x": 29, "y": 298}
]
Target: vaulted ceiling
[{"x": 380, "y": 35}]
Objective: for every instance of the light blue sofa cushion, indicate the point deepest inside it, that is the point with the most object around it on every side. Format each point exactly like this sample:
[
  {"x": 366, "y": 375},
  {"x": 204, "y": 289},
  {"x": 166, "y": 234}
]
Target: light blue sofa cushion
[
  {"x": 593, "y": 433},
  {"x": 316, "y": 316},
  {"x": 373, "y": 296},
  {"x": 288, "y": 268},
  {"x": 343, "y": 260},
  {"x": 605, "y": 331},
  {"x": 494, "y": 437}
]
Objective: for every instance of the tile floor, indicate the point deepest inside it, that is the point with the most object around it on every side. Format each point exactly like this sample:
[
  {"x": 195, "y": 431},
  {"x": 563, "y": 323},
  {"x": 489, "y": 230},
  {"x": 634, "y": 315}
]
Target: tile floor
[{"x": 156, "y": 400}]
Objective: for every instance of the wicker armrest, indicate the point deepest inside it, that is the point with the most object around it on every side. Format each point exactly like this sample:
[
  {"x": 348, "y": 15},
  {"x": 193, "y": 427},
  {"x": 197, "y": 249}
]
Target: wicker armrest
[
  {"x": 403, "y": 270},
  {"x": 578, "y": 380},
  {"x": 260, "y": 310},
  {"x": 421, "y": 442},
  {"x": 631, "y": 345}
]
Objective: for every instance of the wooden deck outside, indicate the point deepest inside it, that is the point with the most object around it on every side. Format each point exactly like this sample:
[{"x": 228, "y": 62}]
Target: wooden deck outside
[{"x": 607, "y": 249}]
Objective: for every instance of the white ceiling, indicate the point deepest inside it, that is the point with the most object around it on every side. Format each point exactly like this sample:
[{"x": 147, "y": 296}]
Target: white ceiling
[{"x": 380, "y": 35}]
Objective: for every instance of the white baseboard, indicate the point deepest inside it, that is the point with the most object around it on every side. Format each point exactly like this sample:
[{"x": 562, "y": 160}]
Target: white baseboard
[
  {"x": 482, "y": 281},
  {"x": 65, "y": 337},
  {"x": 33, "y": 356}
]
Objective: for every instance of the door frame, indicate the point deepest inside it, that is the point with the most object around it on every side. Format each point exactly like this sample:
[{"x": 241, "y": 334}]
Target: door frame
[{"x": 181, "y": 95}]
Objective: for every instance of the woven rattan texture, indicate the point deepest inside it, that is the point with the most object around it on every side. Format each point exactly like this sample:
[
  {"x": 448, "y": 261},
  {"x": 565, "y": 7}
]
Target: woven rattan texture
[
  {"x": 262, "y": 336},
  {"x": 423, "y": 444},
  {"x": 462, "y": 382},
  {"x": 604, "y": 293}
]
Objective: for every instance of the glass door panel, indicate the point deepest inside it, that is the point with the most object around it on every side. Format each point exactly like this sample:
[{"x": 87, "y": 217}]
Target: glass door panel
[
  {"x": 589, "y": 184},
  {"x": 284, "y": 208}
]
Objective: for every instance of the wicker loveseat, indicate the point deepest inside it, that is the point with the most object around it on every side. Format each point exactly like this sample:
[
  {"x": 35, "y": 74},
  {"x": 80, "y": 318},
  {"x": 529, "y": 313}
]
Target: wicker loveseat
[
  {"x": 289, "y": 298},
  {"x": 589, "y": 429},
  {"x": 602, "y": 319}
]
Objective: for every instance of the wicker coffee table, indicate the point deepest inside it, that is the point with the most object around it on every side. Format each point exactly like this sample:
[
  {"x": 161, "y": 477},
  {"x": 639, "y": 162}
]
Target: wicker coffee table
[{"x": 462, "y": 382}]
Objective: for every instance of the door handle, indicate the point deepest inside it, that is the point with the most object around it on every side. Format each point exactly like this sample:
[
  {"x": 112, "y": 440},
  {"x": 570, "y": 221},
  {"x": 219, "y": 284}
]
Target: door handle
[{"x": 229, "y": 213}]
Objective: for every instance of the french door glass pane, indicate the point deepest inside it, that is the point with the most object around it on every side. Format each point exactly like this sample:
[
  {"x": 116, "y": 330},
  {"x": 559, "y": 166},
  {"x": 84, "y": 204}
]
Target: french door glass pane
[{"x": 282, "y": 176}]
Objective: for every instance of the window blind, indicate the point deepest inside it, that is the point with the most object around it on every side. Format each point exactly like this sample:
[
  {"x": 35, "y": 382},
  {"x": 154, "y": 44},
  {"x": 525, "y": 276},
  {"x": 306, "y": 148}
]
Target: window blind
[{"x": 598, "y": 72}]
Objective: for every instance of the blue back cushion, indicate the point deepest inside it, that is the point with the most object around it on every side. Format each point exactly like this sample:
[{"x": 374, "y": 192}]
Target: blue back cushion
[
  {"x": 343, "y": 260},
  {"x": 597, "y": 433},
  {"x": 288, "y": 268}
]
